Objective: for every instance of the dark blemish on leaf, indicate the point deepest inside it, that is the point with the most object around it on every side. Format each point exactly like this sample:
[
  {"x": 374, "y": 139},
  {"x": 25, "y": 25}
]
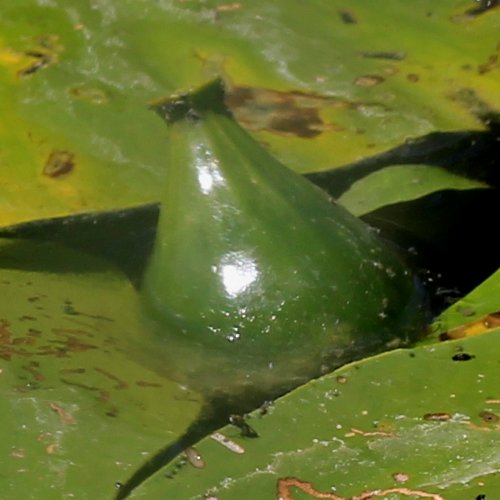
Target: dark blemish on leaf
[
  {"x": 34, "y": 299},
  {"x": 491, "y": 64},
  {"x": 473, "y": 103},
  {"x": 240, "y": 422},
  {"x": 80, "y": 385},
  {"x": 341, "y": 379},
  {"x": 347, "y": 17},
  {"x": 390, "y": 56},
  {"x": 59, "y": 163},
  {"x": 291, "y": 113},
  {"x": 437, "y": 417},
  {"x": 412, "y": 77},
  {"x": 412, "y": 355},
  {"x": 41, "y": 61},
  {"x": 368, "y": 80},
  {"x": 194, "y": 458},
  {"x": 27, "y": 318},
  {"x": 68, "y": 371},
  {"x": 489, "y": 416},
  {"x": 462, "y": 356},
  {"x": 120, "y": 385},
  {"x": 43, "y": 56},
  {"x": 308, "y": 126},
  {"x": 144, "y": 383},
  {"x": 112, "y": 413}
]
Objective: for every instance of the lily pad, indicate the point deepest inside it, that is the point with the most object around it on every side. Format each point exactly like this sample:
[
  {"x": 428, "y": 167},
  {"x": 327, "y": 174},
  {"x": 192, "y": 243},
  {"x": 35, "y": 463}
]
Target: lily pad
[
  {"x": 399, "y": 183},
  {"x": 77, "y": 412},
  {"x": 321, "y": 85},
  {"x": 435, "y": 435},
  {"x": 476, "y": 313}
]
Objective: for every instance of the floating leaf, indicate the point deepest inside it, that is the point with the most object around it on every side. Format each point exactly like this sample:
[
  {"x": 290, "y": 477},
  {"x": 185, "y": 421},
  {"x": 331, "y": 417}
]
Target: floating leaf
[
  {"x": 321, "y": 85},
  {"x": 422, "y": 423},
  {"x": 476, "y": 313},
  {"x": 401, "y": 183},
  {"x": 77, "y": 411}
]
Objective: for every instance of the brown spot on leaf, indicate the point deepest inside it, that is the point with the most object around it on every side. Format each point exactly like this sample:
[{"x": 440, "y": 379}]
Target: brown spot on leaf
[
  {"x": 66, "y": 418},
  {"x": 368, "y": 80},
  {"x": 437, "y": 417},
  {"x": 194, "y": 458},
  {"x": 341, "y": 379},
  {"x": 42, "y": 56},
  {"x": 477, "y": 327},
  {"x": 285, "y": 485},
  {"x": 400, "y": 477},
  {"x": 489, "y": 416},
  {"x": 412, "y": 77},
  {"x": 291, "y": 113},
  {"x": 51, "y": 449},
  {"x": 59, "y": 163},
  {"x": 228, "y": 7}
]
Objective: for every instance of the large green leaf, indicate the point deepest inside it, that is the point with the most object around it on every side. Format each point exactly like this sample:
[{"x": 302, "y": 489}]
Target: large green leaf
[
  {"x": 78, "y": 413},
  {"x": 399, "y": 183},
  {"x": 473, "y": 314},
  {"x": 321, "y": 84},
  {"x": 424, "y": 420}
]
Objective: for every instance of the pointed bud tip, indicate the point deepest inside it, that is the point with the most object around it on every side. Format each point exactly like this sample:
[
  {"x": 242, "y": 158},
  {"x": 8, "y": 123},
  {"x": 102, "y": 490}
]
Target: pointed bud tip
[{"x": 192, "y": 105}]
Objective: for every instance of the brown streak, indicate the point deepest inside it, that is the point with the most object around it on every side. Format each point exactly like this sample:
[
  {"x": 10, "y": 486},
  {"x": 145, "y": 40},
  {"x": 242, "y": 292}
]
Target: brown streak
[{"x": 284, "y": 492}]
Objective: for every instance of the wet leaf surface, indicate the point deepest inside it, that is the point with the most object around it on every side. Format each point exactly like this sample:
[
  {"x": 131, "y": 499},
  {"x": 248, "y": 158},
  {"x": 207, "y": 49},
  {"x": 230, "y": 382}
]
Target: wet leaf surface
[
  {"x": 320, "y": 85},
  {"x": 77, "y": 410},
  {"x": 434, "y": 436}
]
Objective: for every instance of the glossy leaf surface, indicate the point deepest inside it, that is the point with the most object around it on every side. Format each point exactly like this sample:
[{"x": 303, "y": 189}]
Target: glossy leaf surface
[
  {"x": 400, "y": 183},
  {"x": 321, "y": 85},
  {"x": 422, "y": 423},
  {"x": 77, "y": 412}
]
